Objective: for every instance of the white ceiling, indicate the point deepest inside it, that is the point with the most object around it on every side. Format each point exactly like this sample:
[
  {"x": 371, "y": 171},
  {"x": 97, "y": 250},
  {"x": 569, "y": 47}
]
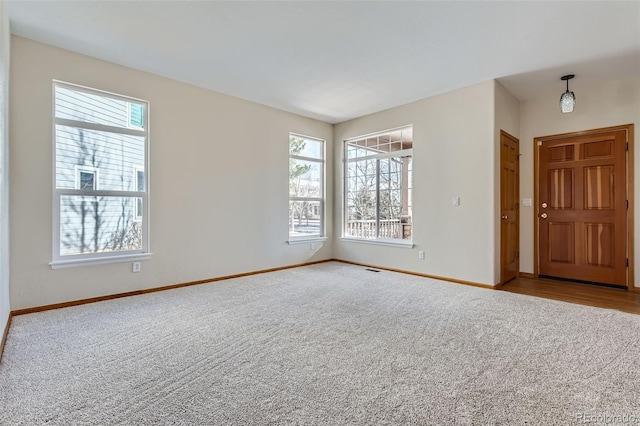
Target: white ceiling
[{"x": 339, "y": 60}]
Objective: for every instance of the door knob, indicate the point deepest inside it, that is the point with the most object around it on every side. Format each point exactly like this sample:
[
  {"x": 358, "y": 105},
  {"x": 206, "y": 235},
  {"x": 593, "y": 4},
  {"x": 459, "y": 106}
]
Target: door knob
[
  {"x": 505, "y": 217},
  {"x": 543, "y": 215},
  {"x": 544, "y": 205}
]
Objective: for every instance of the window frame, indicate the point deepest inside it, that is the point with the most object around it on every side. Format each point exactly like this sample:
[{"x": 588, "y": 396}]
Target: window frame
[
  {"x": 321, "y": 236},
  {"x": 398, "y": 242},
  {"x": 63, "y": 261}
]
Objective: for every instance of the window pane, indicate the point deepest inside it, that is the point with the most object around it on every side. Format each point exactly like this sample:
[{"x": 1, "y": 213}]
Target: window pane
[
  {"x": 91, "y": 107},
  {"x": 359, "y": 149},
  {"x": 306, "y": 147},
  {"x": 91, "y": 224},
  {"x": 408, "y": 164},
  {"x": 362, "y": 176},
  {"x": 362, "y": 204},
  {"x": 138, "y": 212},
  {"x": 139, "y": 180},
  {"x": 113, "y": 155},
  {"x": 312, "y": 149},
  {"x": 136, "y": 117},
  {"x": 305, "y": 179},
  {"x": 87, "y": 180},
  {"x": 384, "y": 142},
  {"x": 304, "y": 218}
]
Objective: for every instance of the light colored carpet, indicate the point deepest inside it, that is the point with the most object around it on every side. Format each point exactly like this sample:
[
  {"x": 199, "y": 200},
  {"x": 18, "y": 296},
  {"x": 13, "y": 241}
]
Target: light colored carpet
[{"x": 324, "y": 344}]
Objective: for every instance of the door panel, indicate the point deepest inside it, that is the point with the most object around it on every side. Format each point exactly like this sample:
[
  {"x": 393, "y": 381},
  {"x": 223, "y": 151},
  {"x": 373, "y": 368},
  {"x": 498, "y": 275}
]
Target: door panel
[
  {"x": 600, "y": 238},
  {"x": 561, "y": 239},
  {"x": 599, "y": 188},
  {"x": 582, "y": 229},
  {"x": 560, "y": 189},
  {"x": 509, "y": 207}
]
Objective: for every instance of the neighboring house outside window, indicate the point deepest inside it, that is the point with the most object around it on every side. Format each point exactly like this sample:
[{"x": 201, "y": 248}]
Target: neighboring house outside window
[
  {"x": 378, "y": 185},
  {"x": 99, "y": 206},
  {"x": 306, "y": 188}
]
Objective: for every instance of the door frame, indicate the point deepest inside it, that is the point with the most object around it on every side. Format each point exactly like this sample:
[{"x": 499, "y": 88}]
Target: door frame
[
  {"x": 537, "y": 141},
  {"x": 517, "y": 236}
]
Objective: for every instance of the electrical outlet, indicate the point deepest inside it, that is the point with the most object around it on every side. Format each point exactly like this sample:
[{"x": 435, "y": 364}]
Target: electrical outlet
[
  {"x": 421, "y": 255},
  {"x": 136, "y": 267},
  {"x": 312, "y": 246}
]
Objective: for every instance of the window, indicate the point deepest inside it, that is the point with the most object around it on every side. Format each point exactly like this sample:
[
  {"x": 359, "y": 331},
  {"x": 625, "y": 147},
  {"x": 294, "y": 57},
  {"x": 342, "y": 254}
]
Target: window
[
  {"x": 378, "y": 182},
  {"x": 86, "y": 178},
  {"x": 136, "y": 115},
  {"x": 99, "y": 206},
  {"x": 306, "y": 188}
]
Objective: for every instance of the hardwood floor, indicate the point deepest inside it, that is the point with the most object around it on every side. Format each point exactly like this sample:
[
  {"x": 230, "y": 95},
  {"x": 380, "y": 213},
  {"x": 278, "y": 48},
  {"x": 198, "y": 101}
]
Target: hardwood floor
[{"x": 584, "y": 294}]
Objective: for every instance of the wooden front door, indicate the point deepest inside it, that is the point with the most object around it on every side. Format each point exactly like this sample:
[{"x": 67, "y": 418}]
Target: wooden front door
[
  {"x": 582, "y": 206},
  {"x": 509, "y": 207}
]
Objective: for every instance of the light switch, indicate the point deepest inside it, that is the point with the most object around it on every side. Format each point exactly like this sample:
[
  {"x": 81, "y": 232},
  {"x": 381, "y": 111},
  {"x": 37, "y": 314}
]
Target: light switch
[
  {"x": 526, "y": 202},
  {"x": 456, "y": 200}
]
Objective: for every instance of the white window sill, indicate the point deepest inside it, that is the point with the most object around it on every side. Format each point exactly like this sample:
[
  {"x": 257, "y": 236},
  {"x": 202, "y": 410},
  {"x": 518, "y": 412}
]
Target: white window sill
[
  {"x": 305, "y": 240},
  {"x": 380, "y": 242},
  {"x": 59, "y": 264}
]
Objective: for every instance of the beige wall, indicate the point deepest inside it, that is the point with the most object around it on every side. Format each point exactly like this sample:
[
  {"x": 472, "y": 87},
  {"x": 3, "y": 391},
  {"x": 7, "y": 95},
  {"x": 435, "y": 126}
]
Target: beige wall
[
  {"x": 600, "y": 104},
  {"x": 218, "y": 181},
  {"x": 454, "y": 154}
]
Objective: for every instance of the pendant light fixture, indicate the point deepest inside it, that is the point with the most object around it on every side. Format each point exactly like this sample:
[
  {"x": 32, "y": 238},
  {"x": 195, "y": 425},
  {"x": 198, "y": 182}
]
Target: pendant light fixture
[{"x": 568, "y": 99}]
